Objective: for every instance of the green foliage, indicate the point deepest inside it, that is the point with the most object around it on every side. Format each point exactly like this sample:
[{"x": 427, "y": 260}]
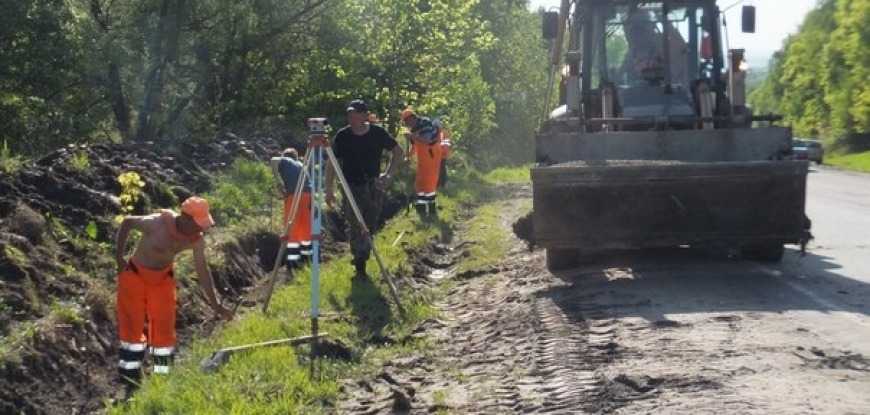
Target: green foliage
[
  {"x": 47, "y": 93},
  {"x": 131, "y": 190},
  {"x": 64, "y": 313},
  {"x": 276, "y": 380},
  {"x": 503, "y": 175},
  {"x": 242, "y": 191},
  {"x": 16, "y": 340},
  {"x": 818, "y": 81},
  {"x": 515, "y": 72},
  {"x": 163, "y": 195},
  {"x": 91, "y": 230},
  {"x": 489, "y": 237},
  {"x": 857, "y": 161},
  {"x": 79, "y": 161},
  {"x": 82, "y": 71},
  {"x": 9, "y": 163},
  {"x": 15, "y": 255}
]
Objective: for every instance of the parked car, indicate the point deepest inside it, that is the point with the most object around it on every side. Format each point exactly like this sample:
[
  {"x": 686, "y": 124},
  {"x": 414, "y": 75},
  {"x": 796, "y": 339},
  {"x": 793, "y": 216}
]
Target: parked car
[{"x": 808, "y": 150}]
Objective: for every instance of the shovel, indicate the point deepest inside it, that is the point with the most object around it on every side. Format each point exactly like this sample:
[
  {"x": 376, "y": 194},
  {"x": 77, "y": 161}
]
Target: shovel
[{"x": 217, "y": 359}]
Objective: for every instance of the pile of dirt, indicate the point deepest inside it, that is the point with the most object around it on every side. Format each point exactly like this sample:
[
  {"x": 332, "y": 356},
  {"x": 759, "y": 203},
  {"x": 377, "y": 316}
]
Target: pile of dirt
[
  {"x": 57, "y": 273},
  {"x": 57, "y": 335}
]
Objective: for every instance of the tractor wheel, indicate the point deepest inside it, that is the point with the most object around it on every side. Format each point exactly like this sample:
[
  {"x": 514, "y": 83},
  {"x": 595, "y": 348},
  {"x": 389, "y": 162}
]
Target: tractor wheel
[
  {"x": 769, "y": 252},
  {"x": 561, "y": 259}
]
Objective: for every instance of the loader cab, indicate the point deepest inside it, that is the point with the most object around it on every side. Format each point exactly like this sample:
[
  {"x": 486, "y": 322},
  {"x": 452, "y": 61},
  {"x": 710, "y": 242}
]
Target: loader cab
[{"x": 648, "y": 64}]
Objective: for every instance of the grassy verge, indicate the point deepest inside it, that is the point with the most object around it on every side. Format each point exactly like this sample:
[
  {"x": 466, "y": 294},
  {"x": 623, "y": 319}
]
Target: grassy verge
[
  {"x": 356, "y": 313},
  {"x": 856, "y": 162},
  {"x": 506, "y": 175},
  {"x": 489, "y": 239}
]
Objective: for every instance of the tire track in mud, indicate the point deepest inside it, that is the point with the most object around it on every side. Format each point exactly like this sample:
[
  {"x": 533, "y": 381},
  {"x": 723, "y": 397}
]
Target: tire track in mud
[
  {"x": 659, "y": 332},
  {"x": 505, "y": 346}
]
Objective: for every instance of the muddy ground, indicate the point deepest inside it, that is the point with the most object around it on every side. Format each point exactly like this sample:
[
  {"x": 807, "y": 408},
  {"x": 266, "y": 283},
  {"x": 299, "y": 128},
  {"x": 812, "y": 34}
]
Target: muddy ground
[{"x": 655, "y": 332}]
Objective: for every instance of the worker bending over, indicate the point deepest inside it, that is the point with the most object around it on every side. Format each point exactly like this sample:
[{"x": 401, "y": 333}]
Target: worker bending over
[
  {"x": 146, "y": 284},
  {"x": 287, "y": 169}
]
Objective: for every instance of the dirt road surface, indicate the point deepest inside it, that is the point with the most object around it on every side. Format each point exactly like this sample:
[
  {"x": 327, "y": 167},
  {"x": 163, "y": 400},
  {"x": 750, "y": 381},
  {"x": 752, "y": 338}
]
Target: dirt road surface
[{"x": 662, "y": 332}]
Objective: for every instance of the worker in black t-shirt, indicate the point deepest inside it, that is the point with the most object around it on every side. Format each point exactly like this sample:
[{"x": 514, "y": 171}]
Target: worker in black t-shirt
[{"x": 359, "y": 148}]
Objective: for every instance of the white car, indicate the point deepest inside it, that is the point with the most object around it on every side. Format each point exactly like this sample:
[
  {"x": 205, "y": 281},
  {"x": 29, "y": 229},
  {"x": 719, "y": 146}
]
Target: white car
[{"x": 808, "y": 150}]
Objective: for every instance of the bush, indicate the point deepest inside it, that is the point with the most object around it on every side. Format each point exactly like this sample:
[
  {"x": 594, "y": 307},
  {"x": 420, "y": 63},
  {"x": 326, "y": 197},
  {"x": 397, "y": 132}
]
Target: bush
[
  {"x": 9, "y": 164},
  {"x": 80, "y": 162},
  {"x": 244, "y": 190}
]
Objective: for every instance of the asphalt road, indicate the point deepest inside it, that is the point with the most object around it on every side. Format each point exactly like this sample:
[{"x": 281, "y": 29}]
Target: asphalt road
[
  {"x": 785, "y": 338},
  {"x": 838, "y": 202}
]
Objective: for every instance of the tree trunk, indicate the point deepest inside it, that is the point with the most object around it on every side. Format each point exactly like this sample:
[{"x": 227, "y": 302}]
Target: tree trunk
[
  {"x": 164, "y": 47},
  {"x": 119, "y": 101},
  {"x": 113, "y": 84}
]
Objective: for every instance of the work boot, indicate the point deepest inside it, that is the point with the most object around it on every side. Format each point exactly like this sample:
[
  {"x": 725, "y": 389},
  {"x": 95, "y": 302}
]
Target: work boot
[
  {"x": 360, "y": 267},
  {"x": 130, "y": 380}
]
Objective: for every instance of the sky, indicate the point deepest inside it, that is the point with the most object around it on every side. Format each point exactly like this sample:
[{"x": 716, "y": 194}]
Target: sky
[{"x": 774, "y": 20}]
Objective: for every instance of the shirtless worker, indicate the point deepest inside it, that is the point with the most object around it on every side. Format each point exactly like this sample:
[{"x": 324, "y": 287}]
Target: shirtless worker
[{"x": 146, "y": 284}]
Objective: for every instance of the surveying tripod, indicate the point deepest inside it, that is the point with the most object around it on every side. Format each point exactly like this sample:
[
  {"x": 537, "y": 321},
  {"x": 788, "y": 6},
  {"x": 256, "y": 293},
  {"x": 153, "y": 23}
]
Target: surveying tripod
[{"x": 313, "y": 170}]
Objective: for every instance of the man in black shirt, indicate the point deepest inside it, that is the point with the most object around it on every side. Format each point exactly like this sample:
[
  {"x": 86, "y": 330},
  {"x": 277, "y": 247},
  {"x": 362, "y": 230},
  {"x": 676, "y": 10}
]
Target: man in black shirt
[{"x": 359, "y": 147}]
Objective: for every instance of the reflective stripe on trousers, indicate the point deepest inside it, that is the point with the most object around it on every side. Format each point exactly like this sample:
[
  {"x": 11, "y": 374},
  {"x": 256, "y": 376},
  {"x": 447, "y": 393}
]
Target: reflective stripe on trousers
[
  {"x": 425, "y": 198},
  {"x": 163, "y": 358}
]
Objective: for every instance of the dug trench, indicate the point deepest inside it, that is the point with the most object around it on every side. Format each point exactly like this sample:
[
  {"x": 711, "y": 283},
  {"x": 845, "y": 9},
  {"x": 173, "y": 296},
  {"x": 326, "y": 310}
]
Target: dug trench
[{"x": 58, "y": 344}]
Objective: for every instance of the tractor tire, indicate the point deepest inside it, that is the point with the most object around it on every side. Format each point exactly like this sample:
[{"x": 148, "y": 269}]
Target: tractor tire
[
  {"x": 561, "y": 259},
  {"x": 770, "y": 252}
]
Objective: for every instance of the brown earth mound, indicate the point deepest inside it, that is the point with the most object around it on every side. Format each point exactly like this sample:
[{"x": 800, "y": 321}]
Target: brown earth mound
[
  {"x": 57, "y": 336},
  {"x": 57, "y": 333}
]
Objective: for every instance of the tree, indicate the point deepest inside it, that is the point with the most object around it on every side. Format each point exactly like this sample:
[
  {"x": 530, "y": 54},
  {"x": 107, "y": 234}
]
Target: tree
[
  {"x": 818, "y": 81},
  {"x": 45, "y": 91},
  {"x": 516, "y": 68},
  {"x": 138, "y": 70}
]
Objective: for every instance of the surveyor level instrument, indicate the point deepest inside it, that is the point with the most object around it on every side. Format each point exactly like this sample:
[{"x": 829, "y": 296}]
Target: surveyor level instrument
[{"x": 312, "y": 170}]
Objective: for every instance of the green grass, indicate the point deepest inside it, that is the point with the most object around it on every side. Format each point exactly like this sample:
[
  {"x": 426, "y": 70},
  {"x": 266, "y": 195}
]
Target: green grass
[
  {"x": 79, "y": 161},
  {"x": 242, "y": 191},
  {"x": 277, "y": 380},
  {"x": 489, "y": 239},
  {"x": 504, "y": 175},
  {"x": 9, "y": 163},
  {"x": 66, "y": 313},
  {"x": 10, "y": 345},
  {"x": 856, "y": 161},
  {"x": 15, "y": 255}
]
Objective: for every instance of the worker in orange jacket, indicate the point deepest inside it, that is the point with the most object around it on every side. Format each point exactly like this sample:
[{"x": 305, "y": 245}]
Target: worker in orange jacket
[
  {"x": 426, "y": 145},
  {"x": 287, "y": 170},
  {"x": 146, "y": 284}
]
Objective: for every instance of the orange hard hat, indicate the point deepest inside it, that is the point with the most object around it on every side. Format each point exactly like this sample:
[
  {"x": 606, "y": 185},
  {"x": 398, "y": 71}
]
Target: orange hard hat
[
  {"x": 408, "y": 113},
  {"x": 197, "y": 208}
]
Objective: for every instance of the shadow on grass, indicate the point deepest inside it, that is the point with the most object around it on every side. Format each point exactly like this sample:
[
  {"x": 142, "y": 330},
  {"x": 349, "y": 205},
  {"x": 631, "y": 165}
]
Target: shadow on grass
[
  {"x": 433, "y": 219},
  {"x": 370, "y": 308}
]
